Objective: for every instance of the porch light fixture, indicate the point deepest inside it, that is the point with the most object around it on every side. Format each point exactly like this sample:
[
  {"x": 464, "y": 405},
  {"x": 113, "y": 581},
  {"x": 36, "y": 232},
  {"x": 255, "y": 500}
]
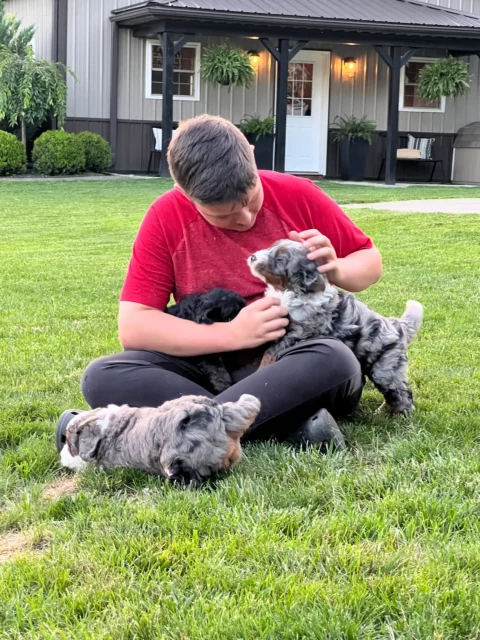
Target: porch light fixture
[
  {"x": 350, "y": 67},
  {"x": 254, "y": 57}
]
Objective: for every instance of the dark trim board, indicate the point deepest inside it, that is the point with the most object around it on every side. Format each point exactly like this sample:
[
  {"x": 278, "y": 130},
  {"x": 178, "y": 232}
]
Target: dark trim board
[
  {"x": 406, "y": 171},
  {"x": 135, "y": 141},
  {"x": 60, "y": 31},
  {"x": 59, "y": 38}
]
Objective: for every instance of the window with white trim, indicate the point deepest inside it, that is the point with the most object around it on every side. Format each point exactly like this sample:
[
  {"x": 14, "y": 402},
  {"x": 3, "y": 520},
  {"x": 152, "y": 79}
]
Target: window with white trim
[
  {"x": 410, "y": 99},
  {"x": 186, "y": 72}
]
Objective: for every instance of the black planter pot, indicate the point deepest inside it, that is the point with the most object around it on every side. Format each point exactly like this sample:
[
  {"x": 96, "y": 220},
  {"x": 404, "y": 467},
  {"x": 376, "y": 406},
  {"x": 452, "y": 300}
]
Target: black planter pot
[
  {"x": 263, "y": 150},
  {"x": 353, "y": 159}
]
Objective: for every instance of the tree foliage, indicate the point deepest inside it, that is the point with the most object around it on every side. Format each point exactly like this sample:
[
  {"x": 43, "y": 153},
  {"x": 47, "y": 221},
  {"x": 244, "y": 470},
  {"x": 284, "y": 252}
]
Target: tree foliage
[
  {"x": 31, "y": 91},
  {"x": 12, "y": 35}
]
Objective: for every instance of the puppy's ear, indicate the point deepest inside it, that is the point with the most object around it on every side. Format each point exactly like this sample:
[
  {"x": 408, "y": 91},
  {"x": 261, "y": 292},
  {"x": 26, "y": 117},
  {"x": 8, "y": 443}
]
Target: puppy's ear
[
  {"x": 182, "y": 473},
  {"x": 239, "y": 416},
  {"x": 84, "y": 440},
  {"x": 308, "y": 278}
]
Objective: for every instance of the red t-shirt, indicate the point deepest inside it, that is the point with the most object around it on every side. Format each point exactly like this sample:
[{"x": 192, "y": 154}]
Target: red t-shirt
[{"x": 177, "y": 251}]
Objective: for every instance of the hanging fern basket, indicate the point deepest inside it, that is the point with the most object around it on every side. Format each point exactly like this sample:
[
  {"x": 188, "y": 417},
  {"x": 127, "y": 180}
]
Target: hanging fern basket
[
  {"x": 446, "y": 78},
  {"x": 228, "y": 66}
]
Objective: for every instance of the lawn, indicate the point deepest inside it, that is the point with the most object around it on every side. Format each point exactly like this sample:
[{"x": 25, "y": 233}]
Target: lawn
[{"x": 382, "y": 541}]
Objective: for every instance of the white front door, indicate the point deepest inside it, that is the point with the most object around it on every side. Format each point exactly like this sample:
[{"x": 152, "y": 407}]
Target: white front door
[{"x": 307, "y": 112}]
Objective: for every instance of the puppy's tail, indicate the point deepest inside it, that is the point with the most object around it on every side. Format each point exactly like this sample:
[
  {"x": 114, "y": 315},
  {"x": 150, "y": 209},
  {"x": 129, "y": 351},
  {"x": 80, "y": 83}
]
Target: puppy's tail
[
  {"x": 239, "y": 416},
  {"x": 412, "y": 319}
]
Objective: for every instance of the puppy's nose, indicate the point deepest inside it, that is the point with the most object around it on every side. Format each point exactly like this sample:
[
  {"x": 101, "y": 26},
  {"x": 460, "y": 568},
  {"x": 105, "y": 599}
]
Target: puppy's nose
[{"x": 253, "y": 258}]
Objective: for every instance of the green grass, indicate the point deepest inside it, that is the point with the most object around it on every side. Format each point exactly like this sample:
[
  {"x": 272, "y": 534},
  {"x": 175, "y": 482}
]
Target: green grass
[{"x": 380, "y": 542}]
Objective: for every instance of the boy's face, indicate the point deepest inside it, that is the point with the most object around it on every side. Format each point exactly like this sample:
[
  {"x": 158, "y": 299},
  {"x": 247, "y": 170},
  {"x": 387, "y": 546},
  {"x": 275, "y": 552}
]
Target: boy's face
[{"x": 234, "y": 216}]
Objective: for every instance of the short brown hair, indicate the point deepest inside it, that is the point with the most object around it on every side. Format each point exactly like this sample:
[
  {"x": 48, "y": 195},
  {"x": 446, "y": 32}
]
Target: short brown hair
[{"x": 211, "y": 160}]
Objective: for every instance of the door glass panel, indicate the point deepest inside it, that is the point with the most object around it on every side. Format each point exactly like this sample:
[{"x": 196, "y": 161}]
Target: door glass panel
[{"x": 299, "y": 90}]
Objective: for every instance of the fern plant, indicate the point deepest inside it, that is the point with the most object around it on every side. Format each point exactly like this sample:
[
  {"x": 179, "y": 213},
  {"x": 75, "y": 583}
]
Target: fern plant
[
  {"x": 228, "y": 66},
  {"x": 353, "y": 128},
  {"x": 446, "y": 78},
  {"x": 256, "y": 126}
]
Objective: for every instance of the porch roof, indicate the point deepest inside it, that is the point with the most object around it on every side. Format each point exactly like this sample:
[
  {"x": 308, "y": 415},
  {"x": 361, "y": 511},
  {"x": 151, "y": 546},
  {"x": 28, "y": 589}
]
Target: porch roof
[{"x": 398, "y": 12}]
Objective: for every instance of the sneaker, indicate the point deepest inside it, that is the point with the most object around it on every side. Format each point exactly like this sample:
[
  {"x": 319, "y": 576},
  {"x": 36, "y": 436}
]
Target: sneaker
[
  {"x": 62, "y": 424},
  {"x": 320, "y": 430}
]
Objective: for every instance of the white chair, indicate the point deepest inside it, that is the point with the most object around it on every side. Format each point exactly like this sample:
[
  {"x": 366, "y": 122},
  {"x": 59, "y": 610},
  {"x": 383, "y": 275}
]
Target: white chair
[{"x": 158, "y": 141}]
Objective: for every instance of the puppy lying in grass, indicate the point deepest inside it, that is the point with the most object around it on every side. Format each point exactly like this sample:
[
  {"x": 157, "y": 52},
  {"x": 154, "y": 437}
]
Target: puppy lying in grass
[
  {"x": 319, "y": 310},
  {"x": 186, "y": 440}
]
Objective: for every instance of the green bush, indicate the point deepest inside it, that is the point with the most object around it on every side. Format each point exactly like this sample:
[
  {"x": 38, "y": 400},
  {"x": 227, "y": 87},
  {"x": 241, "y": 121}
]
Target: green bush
[
  {"x": 97, "y": 151},
  {"x": 58, "y": 152},
  {"x": 12, "y": 155}
]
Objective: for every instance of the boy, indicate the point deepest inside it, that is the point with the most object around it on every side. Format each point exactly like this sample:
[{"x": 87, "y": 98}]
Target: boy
[{"x": 198, "y": 236}]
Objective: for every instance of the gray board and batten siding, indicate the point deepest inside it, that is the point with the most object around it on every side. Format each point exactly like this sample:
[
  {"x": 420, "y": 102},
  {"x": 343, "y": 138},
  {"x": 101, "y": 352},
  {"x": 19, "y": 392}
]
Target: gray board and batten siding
[
  {"x": 40, "y": 14},
  {"x": 89, "y": 55}
]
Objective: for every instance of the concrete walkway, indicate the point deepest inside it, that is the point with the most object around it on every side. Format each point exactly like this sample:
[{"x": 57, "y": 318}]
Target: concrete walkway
[{"x": 453, "y": 205}]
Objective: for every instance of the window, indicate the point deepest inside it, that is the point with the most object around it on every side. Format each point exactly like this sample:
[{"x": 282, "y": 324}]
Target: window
[
  {"x": 410, "y": 99},
  {"x": 186, "y": 72},
  {"x": 299, "y": 92}
]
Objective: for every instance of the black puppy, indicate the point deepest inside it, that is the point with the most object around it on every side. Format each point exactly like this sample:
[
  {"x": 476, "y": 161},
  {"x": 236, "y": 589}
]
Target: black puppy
[{"x": 218, "y": 305}]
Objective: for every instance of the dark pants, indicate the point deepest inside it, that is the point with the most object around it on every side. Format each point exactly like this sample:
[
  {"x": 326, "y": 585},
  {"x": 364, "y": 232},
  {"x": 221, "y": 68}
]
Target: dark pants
[{"x": 308, "y": 377}]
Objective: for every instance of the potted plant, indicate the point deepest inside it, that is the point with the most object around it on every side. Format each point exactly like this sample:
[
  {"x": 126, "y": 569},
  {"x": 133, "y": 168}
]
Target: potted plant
[
  {"x": 227, "y": 65},
  {"x": 354, "y": 136},
  {"x": 445, "y": 78},
  {"x": 260, "y": 133}
]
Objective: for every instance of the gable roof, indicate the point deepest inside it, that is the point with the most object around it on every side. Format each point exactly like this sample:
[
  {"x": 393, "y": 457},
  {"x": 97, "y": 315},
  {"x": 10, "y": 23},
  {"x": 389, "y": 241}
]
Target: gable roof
[{"x": 402, "y": 12}]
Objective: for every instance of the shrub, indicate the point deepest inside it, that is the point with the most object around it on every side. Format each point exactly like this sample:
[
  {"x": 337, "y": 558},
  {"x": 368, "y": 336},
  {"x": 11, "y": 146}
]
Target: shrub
[
  {"x": 12, "y": 155},
  {"x": 97, "y": 151},
  {"x": 58, "y": 152}
]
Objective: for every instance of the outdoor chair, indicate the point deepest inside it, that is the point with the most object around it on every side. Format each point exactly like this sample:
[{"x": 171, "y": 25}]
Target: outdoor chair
[
  {"x": 157, "y": 144},
  {"x": 425, "y": 147}
]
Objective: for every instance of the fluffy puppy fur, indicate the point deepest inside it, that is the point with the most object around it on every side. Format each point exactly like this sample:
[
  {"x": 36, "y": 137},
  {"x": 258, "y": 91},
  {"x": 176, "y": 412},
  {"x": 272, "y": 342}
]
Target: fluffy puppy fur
[
  {"x": 185, "y": 440},
  {"x": 317, "y": 309},
  {"x": 218, "y": 305}
]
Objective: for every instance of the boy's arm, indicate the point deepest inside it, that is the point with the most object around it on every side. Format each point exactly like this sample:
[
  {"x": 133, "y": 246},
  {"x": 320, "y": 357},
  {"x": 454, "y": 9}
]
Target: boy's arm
[{"x": 145, "y": 328}]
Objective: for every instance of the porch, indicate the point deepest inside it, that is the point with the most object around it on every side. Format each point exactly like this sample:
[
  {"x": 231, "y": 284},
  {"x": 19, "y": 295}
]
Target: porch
[{"x": 394, "y": 32}]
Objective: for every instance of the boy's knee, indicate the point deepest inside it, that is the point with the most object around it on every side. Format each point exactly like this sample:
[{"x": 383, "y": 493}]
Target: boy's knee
[
  {"x": 329, "y": 354},
  {"x": 343, "y": 360},
  {"x": 96, "y": 378}
]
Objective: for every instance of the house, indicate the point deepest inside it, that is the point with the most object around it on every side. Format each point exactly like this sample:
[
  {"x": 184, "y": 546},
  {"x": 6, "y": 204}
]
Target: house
[{"x": 346, "y": 57}]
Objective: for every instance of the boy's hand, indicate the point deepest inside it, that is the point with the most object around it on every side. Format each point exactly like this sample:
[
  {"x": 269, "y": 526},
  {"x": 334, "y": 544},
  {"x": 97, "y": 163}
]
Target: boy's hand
[
  {"x": 321, "y": 251},
  {"x": 261, "y": 322}
]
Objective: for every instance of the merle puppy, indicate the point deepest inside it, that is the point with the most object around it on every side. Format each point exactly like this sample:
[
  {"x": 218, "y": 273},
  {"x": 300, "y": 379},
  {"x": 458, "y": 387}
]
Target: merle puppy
[
  {"x": 187, "y": 440},
  {"x": 218, "y": 305},
  {"x": 318, "y": 309}
]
